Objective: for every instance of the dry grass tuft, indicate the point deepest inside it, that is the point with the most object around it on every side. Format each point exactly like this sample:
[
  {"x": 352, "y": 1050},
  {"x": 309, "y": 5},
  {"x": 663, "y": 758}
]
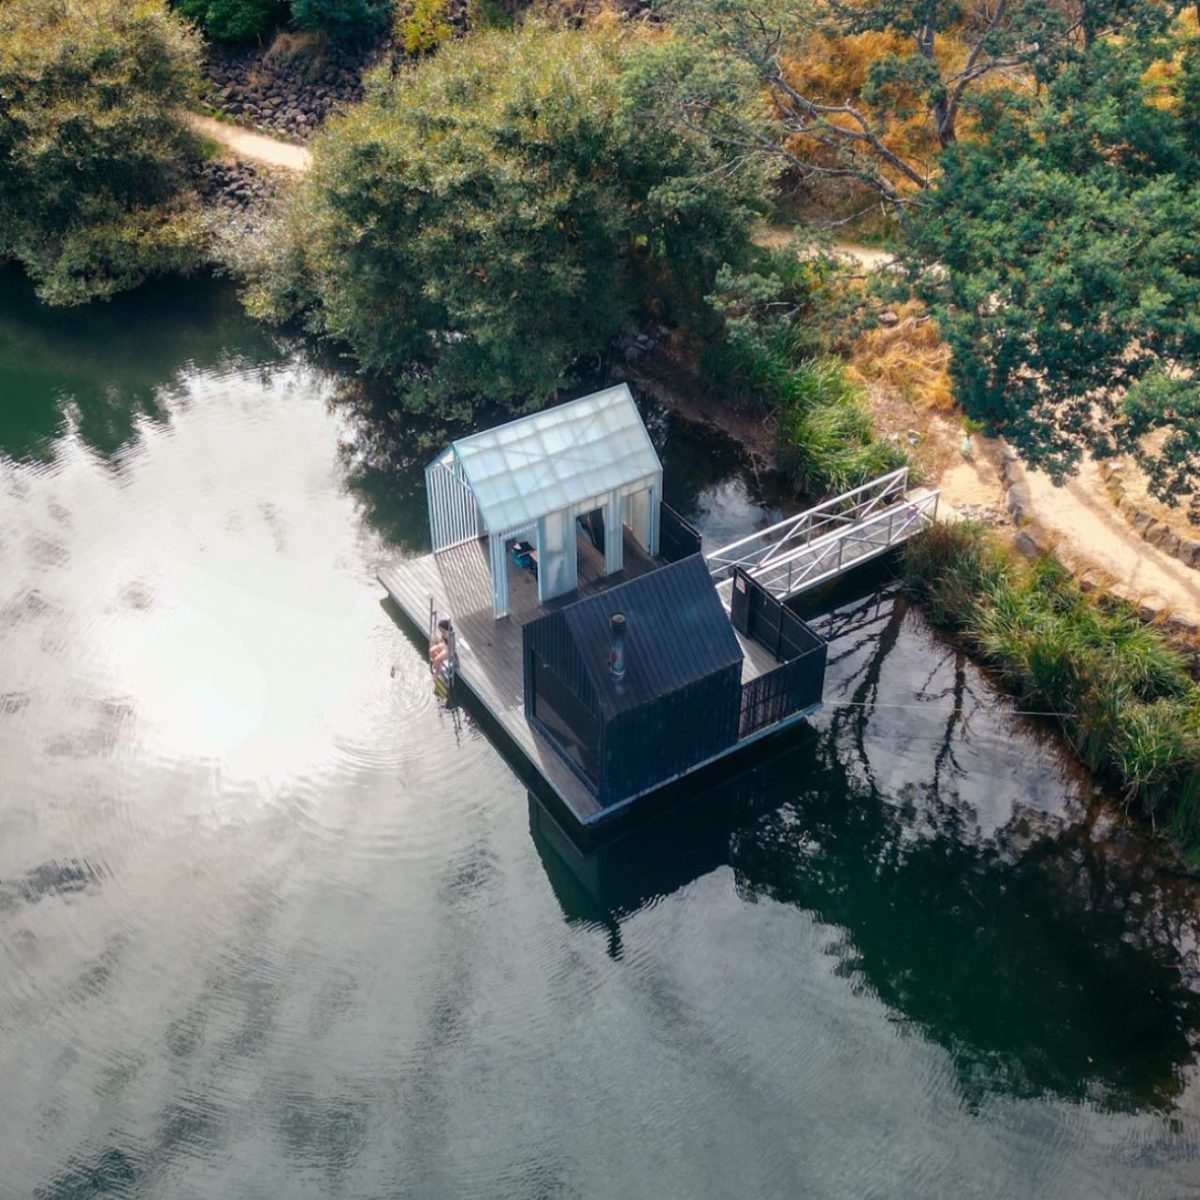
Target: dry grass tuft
[
  {"x": 304, "y": 47},
  {"x": 908, "y": 358}
]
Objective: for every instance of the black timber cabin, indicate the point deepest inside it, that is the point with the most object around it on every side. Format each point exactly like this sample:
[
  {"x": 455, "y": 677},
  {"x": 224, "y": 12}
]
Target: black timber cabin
[{"x": 675, "y": 704}]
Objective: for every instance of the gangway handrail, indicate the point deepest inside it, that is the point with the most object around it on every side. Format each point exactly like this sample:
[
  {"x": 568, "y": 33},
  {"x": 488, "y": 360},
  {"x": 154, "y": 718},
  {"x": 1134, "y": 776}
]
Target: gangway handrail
[
  {"x": 826, "y": 557},
  {"x": 778, "y": 541},
  {"x": 917, "y": 503}
]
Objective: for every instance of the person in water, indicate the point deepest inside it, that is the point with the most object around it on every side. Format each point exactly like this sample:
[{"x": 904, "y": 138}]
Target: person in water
[{"x": 439, "y": 649}]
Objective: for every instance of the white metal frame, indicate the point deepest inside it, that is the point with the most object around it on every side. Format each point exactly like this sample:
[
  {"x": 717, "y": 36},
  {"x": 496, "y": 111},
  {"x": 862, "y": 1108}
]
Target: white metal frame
[
  {"x": 780, "y": 540},
  {"x": 453, "y": 514},
  {"x": 803, "y": 551}
]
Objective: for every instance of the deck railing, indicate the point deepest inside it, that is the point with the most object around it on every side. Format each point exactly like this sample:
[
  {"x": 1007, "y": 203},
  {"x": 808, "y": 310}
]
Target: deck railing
[
  {"x": 798, "y": 682},
  {"x": 790, "y": 688},
  {"x": 677, "y": 537},
  {"x": 768, "y": 546}
]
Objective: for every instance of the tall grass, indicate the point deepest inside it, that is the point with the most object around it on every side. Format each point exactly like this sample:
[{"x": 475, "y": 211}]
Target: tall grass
[
  {"x": 824, "y": 438},
  {"x": 772, "y": 353},
  {"x": 1121, "y": 693},
  {"x": 908, "y": 358}
]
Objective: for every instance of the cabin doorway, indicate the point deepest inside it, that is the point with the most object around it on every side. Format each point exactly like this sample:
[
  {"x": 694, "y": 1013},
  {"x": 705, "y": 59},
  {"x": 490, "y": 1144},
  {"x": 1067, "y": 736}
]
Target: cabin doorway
[
  {"x": 521, "y": 571},
  {"x": 590, "y": 528},
  {"x": 639, "y": 514}
]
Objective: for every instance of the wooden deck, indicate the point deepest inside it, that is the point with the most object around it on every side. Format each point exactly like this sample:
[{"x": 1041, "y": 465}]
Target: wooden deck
[{"x": 489, "y": 651}]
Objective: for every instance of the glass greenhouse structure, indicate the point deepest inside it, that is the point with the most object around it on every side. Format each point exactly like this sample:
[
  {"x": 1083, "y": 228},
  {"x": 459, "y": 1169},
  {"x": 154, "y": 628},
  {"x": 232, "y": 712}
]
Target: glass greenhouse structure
[{"x": 531, "y": 480}]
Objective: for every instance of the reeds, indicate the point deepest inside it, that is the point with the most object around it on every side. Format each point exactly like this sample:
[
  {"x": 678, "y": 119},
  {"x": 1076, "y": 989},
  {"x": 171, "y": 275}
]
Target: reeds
[
  {"x": 824, "y": 437},
  {"x": 826, "y": 441},
  {"x": 1119, "y": 690}
]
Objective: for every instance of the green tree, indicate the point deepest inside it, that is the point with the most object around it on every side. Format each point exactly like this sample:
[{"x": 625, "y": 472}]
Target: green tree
[
  {"x": 1061, "y": 260},
  {"x": 343, "y": 18},
  {"x": 886, "y": 132},
  {"x": 93, "y": 191},
  {"x": 232, "y": 20},
  {"x": 488, "y": 219}
]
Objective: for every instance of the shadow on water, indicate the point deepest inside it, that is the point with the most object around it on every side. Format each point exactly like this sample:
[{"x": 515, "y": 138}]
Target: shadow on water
[
  {"x": 708, "y": 478},
  {"x": 1045, "y": 953},
  {"x": 383, "y": 453},
  {"x": 104, "y": 367}
]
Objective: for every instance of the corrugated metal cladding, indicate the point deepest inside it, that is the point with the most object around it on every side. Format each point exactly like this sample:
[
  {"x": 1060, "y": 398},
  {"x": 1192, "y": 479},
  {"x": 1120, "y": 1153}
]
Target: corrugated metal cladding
[
  {"x": 676, "y": 632},
  {"x": 644, "y": 747},
  {"x": 680, "y": 700}
]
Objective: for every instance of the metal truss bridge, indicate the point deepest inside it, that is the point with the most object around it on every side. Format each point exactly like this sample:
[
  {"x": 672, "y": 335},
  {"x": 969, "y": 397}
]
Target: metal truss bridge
[{"x": 821, "y": 543}]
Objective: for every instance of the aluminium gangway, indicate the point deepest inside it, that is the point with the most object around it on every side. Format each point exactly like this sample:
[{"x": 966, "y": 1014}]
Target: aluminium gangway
[{"x": 821, "y": 543}]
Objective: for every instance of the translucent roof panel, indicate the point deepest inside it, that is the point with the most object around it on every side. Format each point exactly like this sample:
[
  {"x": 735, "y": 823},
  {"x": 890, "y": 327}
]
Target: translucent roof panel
[{"x": 557, "y": 458}]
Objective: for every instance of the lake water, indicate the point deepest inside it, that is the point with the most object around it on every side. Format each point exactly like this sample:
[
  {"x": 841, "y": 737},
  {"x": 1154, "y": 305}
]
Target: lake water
[{"x": 273, "y": 923}]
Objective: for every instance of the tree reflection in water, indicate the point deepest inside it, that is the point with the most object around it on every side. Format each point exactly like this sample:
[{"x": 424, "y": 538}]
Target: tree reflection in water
[
  {"x": 974, "y": 883},
  {"x": 101, "y": 369}
]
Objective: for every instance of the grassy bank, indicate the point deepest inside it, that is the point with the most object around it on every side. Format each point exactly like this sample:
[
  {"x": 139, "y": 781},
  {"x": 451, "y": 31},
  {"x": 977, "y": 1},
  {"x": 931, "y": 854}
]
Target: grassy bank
[
  {"x": 1123, "y": 695},
  {"x": 776, "y": 353}
]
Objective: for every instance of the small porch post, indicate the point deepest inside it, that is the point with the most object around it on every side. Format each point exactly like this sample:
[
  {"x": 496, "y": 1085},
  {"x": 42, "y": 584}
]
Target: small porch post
[
  {"x": 499, "y": 564},
  {"x": 614, "y": 538}
]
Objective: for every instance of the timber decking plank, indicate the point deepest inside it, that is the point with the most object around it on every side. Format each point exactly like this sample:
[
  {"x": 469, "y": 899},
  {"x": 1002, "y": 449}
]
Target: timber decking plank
[{"x": 489, "y": 654}]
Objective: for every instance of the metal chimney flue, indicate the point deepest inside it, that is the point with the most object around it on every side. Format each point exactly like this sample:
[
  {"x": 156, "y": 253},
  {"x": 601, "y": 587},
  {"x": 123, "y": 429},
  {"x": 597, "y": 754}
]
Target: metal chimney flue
[{"x": 616, "y": 645}]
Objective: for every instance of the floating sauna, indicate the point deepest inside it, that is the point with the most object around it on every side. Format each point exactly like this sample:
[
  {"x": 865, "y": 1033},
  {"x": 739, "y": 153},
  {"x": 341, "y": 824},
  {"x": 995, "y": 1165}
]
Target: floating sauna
[{"x": 587, "y": 621}]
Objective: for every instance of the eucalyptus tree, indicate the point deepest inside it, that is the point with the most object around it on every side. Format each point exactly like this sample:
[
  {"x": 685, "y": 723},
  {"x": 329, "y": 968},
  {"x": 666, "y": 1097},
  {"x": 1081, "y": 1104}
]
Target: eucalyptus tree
[
  {"x": 1060, "y": 258},
  {"x": 937, "y": 56},
  {"x": 488, "y": 219}
]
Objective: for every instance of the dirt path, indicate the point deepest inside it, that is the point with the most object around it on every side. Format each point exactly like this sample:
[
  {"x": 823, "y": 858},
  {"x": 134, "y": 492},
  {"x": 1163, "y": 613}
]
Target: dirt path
[
  {"x": 1081, "y": 513},
  {"x": 254, "y": 147},
  {"x": 870, "y": 258},
  {"x": 1081, "y": 518}
]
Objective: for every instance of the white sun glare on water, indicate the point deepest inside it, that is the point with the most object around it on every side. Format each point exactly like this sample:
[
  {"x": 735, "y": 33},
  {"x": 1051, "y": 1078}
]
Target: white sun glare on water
[{"x": 258, "y": 681}]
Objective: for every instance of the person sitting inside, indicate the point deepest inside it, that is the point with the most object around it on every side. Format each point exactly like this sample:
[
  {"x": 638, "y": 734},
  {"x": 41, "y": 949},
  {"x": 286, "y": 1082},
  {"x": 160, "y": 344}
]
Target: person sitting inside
[
  {"x": 524, "y": 555},
  {"x": 439, "y": 648}
]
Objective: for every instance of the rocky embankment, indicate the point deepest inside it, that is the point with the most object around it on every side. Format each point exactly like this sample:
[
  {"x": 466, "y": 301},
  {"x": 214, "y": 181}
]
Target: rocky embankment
[
  {"x": 237, "y": 187},
  {"x": 1145, "y": 523},
  {"x": 290, "y": 87}
]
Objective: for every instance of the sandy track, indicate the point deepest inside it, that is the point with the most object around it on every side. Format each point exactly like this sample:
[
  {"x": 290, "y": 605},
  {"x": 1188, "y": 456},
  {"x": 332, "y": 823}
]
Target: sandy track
[
  {"x": 254, "y": 147},
  {"x": 1082, "y": 515}
]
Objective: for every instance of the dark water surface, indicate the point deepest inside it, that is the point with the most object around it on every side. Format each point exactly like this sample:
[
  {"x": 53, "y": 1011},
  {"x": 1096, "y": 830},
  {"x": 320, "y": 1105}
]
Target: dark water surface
[{"x": 273, "y": 924}]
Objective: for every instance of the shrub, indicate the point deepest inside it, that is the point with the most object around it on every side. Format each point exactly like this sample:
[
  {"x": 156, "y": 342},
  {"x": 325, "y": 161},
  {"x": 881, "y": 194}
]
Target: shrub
[
  {"x": 422, "y": 25},
  {"x": 343, "y": 18},
  {"x": 232, "y": 20},
  {"x": 1122, "y": 695},
  {"x": 93, "y": 194},
  {"x": 489, "y": 219}
]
